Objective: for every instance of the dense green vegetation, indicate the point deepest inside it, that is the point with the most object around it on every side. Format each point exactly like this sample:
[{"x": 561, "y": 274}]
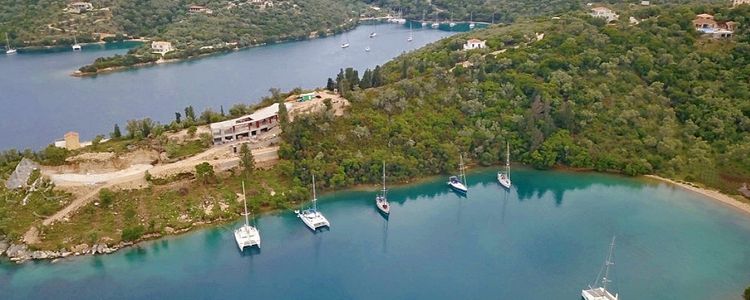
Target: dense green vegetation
[{"x": 652, "y": 98}]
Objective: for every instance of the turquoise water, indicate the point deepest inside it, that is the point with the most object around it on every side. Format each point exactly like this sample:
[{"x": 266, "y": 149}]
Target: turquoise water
[
  {"x": 41, "y": 101},
  {"x": 545, "y": 239}
]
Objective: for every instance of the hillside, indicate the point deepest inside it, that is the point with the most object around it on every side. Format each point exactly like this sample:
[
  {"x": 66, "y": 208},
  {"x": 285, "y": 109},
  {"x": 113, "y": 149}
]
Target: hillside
[{"x": 649, "y": 98}]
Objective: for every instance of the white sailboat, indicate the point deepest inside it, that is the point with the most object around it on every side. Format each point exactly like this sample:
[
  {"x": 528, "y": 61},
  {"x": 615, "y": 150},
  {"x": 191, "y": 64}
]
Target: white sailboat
[
  {"x": 424, "y": 23},
  {"x": 452, "y": 24},
  {"x": 311, "y": 216},
  {"x": 373, "y": 34},
  {"x": 381, "y": 200},
  {"x": 504, "y": 178},
  {"x": 8, "y": 49},
  {"x": 345, "y": 44},
  {"x": 367, "y": 49},
  {"x": 458, "y": 183},
  {"x": 76, "y": 46},
  {"x": 411, "y": 34},
  {"x": 471, "y": 21},
  {"x": 599, "y": 289},
  {"x": 436, "y": 24},
  {"x": 247, "y": 235}
]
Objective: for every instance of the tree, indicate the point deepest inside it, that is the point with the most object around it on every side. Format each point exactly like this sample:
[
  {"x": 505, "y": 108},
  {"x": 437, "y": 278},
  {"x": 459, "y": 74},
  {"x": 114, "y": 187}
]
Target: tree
[
  {"x": 247, "y": 161},
  {"x": 283, "y": 115},
  {"x": 106, "y": 197},
  {"x": 190, "y": 113},
  {"x": 191, "y": 131},
  {"x": 205, "y": 173},
  {"x": 116, "y": 134},
  {"x": 54, "y": 155},
  {"x": 330, "y": 85},
  {"x": 177, "y": 117},
  {"x": 747, "y": 294},
  {"x": 222, "y": 110}
]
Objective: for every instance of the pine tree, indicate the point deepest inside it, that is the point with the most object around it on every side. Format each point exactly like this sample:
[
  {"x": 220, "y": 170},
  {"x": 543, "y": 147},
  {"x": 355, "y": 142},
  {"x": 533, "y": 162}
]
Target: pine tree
[
  {"x": 116, "y": 134},
  {"x": 247, "y": 162},
  {"x": 222, "y": 110},
  {"x": 330, "y": 85},
  {"x": 177, "y": 117}
]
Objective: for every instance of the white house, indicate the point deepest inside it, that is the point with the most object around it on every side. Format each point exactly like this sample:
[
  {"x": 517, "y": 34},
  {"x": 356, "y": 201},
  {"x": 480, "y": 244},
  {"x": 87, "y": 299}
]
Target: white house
[
  {"x": 472, "y": 44},
  {"x": 80, "y": 7},
  {"x": 161, "y": 47},
  {"x": 604, "y": 13},
  {"x": 248, "y": 126}
]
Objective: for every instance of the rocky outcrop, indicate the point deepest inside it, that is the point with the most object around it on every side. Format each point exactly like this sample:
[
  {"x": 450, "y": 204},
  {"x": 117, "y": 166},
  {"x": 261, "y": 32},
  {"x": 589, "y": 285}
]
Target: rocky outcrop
[
  {"x": 3, "y": 246},
  {"x": 18, "y": 252}
]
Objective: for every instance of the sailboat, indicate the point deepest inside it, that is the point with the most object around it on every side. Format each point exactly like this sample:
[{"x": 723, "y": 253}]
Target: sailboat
[
  {"x": 504, "y": 178},
  {"x": 76, "y": 45},
  {"x": 471, "y": 21},
  {"x": 599, "y": 290},
  {"x": 458, "y": 183},
  {"x": 373, "y": 34},
  {"x": 411, "y": 35},
  {"x": 8, "y": 50},
  {"x": 436, "y": 24},
  {"x": 311, "y": 216},
  {"x": 367, "y": 49},
  {"x": 451, "y": 24},
  {"x": 381, "y": 200},
  {"x": 345, "y": 44},
  {"x": 246, "y": 236},
  {"x": 424, "y": 23}
]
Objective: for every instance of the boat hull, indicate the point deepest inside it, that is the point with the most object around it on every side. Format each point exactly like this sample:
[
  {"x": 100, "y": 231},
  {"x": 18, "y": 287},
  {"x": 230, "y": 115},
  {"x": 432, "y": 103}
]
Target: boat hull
[
  {"x": 313, "y": 220},
  {"x": 504, "y": 181},
  {"x": 247, "y": 236},
  {"x": 383, "y": 206},
  {"x": 458, "y": 187}
]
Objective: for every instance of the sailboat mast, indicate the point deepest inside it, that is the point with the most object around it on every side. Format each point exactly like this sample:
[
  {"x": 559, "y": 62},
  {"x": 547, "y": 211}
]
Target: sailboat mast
[
  {"x": 608, "y": 263},
  {"x": 383, "y": 178},
  {"x": 315, "y": 197},
  {"x": 244, "y": 198},
  {"x": 507, "y": 159},
  {"x": 461, "y": 168}
]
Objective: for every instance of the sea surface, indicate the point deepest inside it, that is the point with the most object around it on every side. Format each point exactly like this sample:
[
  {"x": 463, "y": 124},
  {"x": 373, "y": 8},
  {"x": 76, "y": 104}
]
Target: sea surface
[
  {"x": 40, "y": 100},
  {"x": 547, "y": 238}
]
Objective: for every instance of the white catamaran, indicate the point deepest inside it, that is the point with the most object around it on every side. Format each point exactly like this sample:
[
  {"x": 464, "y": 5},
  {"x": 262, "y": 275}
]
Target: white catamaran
[
  {"x": 381, "y": 200},
  {"x": 311, "y": 216},
  {"x": 76, "y": 46},
  {"x": 246, "y": 236},
  {"x": 504, "y": 178},
  {"x": 599, "y": 289},
  {"x": 8, "y": 49},
  {"x": 458, "y": 183}
]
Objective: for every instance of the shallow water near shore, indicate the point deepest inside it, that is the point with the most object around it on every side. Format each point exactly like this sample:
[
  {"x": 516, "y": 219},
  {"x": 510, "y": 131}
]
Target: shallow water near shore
[
  {"x": 545, "y": 239},
  {"x": 41, "y": 101}
]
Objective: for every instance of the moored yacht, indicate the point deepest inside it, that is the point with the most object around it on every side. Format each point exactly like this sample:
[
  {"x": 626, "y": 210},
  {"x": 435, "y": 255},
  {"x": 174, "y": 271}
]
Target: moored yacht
[
  {"x": 8, "y": 49},
  {"x": 373, "y": 34},
  {"x": 381, "y": 201},
  {"x": 76, "y": 46},
  {"x": 504, "y": 178},
  {"x": 599, "y": 289},
  {"x": 311, "y": 216},
  {"x": 411, "y": 35},
  {"x": 247, "y": 235},
  {"x": 458, "y": 183}
]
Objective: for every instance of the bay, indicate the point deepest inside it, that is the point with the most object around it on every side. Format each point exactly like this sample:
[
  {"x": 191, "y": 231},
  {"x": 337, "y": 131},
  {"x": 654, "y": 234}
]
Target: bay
[
  {"x": 545, "y": 239},
  {"x": 41, "y": 101}
]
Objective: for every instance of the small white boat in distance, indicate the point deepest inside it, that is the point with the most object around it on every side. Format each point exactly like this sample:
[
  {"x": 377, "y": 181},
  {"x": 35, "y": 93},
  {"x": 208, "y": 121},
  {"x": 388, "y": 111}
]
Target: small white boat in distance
[
  {"x": 373, "y": 34},
  {"x": 411, "y": 35},
  {"x": 504, "y": 178},
  {"x": 381, "y": 200},
  {"x": 458, "y": 183},
  {"x": 367, "y": 49},
  {"x": 345, "y": 45},
  {"x": 599, "y": 290},
  {"x": 311, "y": 216},
  {"x": 8, "y": 49},
  {"x": 246, "y": 236},
  {"x": 76, "y": 46}
]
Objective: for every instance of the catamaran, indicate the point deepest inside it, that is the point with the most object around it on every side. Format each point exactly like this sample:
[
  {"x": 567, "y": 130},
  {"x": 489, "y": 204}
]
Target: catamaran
[
  {"x": 458, "y": 183},
  {"x": 381, "y": 200},
  {"x": 8, "y": 49},
  {"x": 311, "y": 216},
  {"x": 599, "y": 290},
  {"x": 76, "y": 46},
  {"x": 504, "y": 178},
  {"x": 246, "y": 236}
]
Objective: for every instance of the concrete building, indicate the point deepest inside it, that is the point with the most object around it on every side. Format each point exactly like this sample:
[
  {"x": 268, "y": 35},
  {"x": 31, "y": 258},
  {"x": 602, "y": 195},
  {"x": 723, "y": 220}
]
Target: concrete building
[
  {"x": 604, "y": 13},
  {"x": 72, "y": 141},
  {"x": 706, "y": 24},
  {"x": 199, "y": 9},
  {"x": 161, "y": 47},
  {"x": 248, "y": 126},
  {"x": 472, "y": 44}
]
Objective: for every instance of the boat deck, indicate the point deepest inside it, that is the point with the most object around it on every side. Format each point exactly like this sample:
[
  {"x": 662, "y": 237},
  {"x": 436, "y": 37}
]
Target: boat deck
[{"x": 598, "y": 294}]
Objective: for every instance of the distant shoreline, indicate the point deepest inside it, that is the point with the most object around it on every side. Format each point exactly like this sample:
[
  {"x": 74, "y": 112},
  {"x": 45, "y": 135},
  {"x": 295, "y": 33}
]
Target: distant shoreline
[{"x": 713, "y": 194}]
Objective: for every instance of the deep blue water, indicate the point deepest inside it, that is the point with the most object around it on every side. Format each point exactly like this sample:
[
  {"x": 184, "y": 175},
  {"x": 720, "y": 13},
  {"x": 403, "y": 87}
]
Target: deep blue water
[
  {"x": 545, "y": 239},
  {"x": 41, "y": 101}
]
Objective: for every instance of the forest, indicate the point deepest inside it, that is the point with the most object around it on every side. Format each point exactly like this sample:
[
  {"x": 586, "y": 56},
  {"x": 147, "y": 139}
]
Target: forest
[{"x": 656, "y": 97}]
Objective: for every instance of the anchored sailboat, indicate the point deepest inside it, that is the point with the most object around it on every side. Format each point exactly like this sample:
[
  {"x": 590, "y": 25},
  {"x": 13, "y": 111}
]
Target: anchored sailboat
[
  {"x": 436, "y": 24},
  {"x": 246, "y": 236},
  {"x": 8, "y": 49},
  {"x": 381, "y": 200},
  {"x": 504, "y": 178},
  {"x": 76, "y": 46},
  {"x": 599, "y": 290},
  {"x": 411, "y": 35},
  {"x": 311, "y": 216},
  {"x": 471, "y": 21},
  {"x": 458, "y": 183},
  {"x": 345, "y": 44}
]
